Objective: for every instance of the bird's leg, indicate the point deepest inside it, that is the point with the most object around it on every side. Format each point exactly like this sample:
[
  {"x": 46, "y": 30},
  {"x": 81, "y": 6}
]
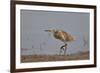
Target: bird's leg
[
  {"x": 61, "y": 48},
  {"x": 65, "y": 49}
]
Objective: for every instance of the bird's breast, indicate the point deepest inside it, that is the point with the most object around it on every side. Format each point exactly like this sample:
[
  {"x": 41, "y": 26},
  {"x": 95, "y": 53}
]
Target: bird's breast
[
  {"x": 63, "y": 36},
  {"x": 59, "y": 35}
]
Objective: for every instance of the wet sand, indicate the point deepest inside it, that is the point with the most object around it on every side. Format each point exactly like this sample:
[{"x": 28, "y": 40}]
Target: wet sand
[{"x": 46, "y": 58}]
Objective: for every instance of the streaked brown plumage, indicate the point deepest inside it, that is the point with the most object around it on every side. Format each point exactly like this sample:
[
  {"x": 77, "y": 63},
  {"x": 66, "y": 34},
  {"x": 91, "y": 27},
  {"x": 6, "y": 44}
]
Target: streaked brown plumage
[{"x": 63, "y": 36}]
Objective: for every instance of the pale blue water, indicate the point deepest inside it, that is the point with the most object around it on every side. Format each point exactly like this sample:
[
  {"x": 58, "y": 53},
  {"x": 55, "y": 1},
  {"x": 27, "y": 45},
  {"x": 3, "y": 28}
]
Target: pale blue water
[{"x": 34, "y": 40}]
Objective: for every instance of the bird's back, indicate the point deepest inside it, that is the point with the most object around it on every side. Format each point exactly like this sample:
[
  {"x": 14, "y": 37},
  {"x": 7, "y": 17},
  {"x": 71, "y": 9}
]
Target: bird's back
[{"x": 63, "y": 36}]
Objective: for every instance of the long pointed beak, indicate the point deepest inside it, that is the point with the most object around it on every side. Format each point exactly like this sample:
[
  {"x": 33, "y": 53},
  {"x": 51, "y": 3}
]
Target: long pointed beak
[{"x": 47, "y": 30}]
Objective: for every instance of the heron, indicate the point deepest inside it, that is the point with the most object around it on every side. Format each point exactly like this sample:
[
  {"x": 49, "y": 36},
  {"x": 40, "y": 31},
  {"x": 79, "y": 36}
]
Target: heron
[{"x": 62, "y": 36}]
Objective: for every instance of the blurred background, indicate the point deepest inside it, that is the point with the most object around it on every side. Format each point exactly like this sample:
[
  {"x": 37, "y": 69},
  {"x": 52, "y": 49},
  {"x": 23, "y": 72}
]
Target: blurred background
[{"x": 34, "y": 40}]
